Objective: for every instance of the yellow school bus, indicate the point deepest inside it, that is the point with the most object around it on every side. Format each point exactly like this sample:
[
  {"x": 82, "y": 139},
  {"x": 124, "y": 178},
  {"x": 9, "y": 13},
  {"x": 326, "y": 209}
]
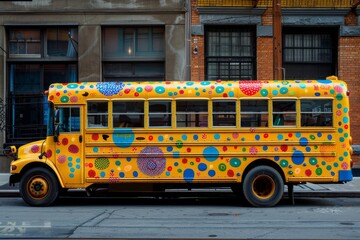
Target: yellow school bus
[{"x": 253, "y": 136}]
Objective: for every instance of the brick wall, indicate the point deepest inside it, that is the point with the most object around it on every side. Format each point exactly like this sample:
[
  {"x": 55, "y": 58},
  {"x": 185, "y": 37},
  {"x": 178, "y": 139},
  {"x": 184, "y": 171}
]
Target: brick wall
[
  {"x": 349, "y": 70},
  {"x": 264, "y": 46},
  {"x": 348, "y": 64}
]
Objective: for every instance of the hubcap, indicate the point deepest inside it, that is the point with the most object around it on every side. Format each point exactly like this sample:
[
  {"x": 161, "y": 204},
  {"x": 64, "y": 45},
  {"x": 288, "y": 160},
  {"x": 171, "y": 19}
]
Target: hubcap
[
  {"x": 38, "y": 187},
  {"x": 263, "y": 186}
]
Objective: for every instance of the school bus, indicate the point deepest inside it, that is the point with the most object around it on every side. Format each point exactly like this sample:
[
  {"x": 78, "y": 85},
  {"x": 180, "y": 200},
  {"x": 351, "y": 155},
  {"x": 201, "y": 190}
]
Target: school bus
[{"x": 253, "y": 136}]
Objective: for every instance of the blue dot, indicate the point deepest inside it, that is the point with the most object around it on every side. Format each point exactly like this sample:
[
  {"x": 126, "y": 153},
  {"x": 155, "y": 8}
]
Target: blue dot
[
  {"x": 298, "y": 157},
  {"x": 345, "y": 119},
  {"x": 319, "y": 134},
  {"x": 95, "y": 149},
  {"x": 71, "y": 175},
  {"x": 298, "y": 135},
  {"x": 169, "y": 149},
  {"x": 189, "y": 175},
  {"x": 102, "y": 174},
  {"x": 276, "y": 158},
  {"x": 211, "y": 154},
  {"x": 184, "y": 137},
  {"x": 211, "y": 173},
  {"x": 217, "y": 136},
  {"x": 280, "y": 137},
  {"x": 202, "y": 167},
  {"x": 304, "y": 142},
  {"x": 159, "y": 89},
  {"x": 257, "y": 137},
  {"x": 122, "y": 175},
  {"x": 161, "y": 138},
  {"x": 265, "y": 148},
  {"x": 329, "y": 137},
  {"x": 195, "y": 137},
  {"x": 135, "y": 174}
]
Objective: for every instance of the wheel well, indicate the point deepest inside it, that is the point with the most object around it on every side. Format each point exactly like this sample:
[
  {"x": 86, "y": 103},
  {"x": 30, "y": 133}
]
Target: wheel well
[
  {"x": 35, "y": 165},
  {"x": 263, "y": 162}
]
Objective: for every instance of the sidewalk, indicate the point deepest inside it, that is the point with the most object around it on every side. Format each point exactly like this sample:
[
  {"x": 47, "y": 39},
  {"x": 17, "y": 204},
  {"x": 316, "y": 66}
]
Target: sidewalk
[{"x": 350, "y": 189}]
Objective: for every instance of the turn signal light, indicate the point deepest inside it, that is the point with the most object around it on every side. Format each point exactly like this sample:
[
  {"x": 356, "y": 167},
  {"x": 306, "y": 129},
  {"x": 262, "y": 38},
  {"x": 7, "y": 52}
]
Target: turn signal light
[{"x": 13, "y": 167}]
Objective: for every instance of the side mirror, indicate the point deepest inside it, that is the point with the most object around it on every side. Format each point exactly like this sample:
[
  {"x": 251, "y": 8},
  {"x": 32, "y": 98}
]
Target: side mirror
[{"x": 56, "y": 133}]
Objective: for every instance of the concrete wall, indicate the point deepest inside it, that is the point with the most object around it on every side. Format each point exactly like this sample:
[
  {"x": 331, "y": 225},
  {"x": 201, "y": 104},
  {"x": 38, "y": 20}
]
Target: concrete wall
[{"x": 89, "y": 17}]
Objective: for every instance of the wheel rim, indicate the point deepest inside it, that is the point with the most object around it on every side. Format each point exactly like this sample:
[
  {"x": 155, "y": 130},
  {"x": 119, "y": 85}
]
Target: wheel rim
[
  {"x": 263, "y": 186},
  {"x": 37, "y": 187}
]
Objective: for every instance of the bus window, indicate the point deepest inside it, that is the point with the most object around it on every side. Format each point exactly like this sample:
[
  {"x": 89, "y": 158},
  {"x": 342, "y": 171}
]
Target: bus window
[
  {"x": 128, "y": 114},
  {"x": 97, "y": 114},
  {"x": 316, "y": 112},
  {"x": 192, "y": 113},
  {"x": 284, "y": 113},
  {"x": 69, "y": 119},
  {"x": 159, "y": 113},
  {"x": 254, "y": 113},
  {"x": 224, "y": 113}
]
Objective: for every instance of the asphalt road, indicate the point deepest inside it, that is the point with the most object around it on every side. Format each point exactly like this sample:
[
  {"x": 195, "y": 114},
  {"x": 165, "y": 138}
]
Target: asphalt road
[{"x": 186, "y": 218}]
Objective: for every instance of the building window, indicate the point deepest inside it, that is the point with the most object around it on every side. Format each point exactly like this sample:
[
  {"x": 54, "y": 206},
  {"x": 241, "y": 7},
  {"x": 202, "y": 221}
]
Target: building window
[
  {"x": 309, "y": 53},
  {"x": 37, "y": 58},
  {"x": 230, "y": 53},
  {"x": 133, "y": 53}
]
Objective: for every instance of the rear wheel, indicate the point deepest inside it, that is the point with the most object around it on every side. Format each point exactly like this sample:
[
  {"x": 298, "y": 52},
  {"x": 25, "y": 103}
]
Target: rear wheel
[
  {"x": 263, "y": 186},
  {"x": 39, "y": 187}
]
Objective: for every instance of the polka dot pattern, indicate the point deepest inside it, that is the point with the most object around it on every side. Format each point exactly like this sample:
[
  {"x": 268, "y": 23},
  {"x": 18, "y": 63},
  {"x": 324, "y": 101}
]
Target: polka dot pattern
[{"x": 196, "y": 156}]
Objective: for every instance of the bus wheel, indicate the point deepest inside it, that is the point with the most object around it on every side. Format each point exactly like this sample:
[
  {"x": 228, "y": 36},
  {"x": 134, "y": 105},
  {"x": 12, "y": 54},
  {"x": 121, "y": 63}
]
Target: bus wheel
[
  {"x": 263, "y": 186},
  {"x": 39, "y": 187}
]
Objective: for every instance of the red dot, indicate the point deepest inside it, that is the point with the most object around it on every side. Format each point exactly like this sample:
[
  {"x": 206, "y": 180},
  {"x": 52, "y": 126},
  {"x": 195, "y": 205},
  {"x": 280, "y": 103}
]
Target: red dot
[
  {"x": 197, "y": 160},
  {"x": 284, "y": 148},
  {"x": 91, "y": 173},
  {"x": 90, "y": 165},
  {"x": 65, "y": 141},
  {"x": 151, "y": 138},
  {"x": 181, "y": 91},
  {"x": 48, "y": 153},
  {"x": 169, "y": 168},
  {"x": 95, "y": 137},
  {"x": 230, "y": 173},
  {"x": 188, "y": 149},
  {"x": 184, "y": 160},
  {"x": 290, "y": 135},
  {"x": 225, "y": 148},
  {"x": 308, "y": 172}
]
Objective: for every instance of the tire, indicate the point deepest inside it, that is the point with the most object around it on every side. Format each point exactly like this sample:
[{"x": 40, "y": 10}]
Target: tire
[
  {"x": 263, "y": 186},
  {"x": 39, "y": 187}
]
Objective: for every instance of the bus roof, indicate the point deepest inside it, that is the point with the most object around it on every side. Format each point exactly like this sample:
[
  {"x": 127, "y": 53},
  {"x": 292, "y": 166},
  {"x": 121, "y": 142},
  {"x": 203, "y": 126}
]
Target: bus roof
[{"x": 79, "y": 93}]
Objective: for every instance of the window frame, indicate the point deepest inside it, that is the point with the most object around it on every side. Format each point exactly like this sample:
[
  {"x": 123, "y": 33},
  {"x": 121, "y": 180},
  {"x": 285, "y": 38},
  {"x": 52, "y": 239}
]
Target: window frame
[{"x": 192, "y": 113}]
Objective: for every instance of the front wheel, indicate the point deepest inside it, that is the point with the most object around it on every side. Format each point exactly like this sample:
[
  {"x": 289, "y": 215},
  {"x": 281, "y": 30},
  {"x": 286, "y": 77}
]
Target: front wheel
[
  {"x": 263, "y": 186},
  {"x": 39, "y": 187}
]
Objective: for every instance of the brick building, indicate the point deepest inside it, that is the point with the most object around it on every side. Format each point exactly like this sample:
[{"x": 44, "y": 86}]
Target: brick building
[
  {"x": 234, "y": 40},
  {"x": 68, "y": 41}
]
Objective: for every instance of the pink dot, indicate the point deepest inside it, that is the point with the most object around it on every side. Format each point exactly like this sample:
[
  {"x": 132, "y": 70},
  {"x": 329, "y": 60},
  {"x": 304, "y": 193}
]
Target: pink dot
[
  {"x": 35, "y": 148},
  {"x": 62, "y": 159}
]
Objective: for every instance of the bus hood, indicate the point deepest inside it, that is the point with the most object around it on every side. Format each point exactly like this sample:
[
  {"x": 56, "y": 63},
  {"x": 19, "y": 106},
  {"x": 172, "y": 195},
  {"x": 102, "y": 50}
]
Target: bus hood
[{"x": 33, "y": 148}]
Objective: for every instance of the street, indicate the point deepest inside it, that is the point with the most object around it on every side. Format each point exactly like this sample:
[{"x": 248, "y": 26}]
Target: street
[{"x": 211, "y": 217}]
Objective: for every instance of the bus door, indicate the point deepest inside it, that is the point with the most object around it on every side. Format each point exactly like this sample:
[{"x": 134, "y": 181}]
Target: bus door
[{"x": 70, "y": 144}]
